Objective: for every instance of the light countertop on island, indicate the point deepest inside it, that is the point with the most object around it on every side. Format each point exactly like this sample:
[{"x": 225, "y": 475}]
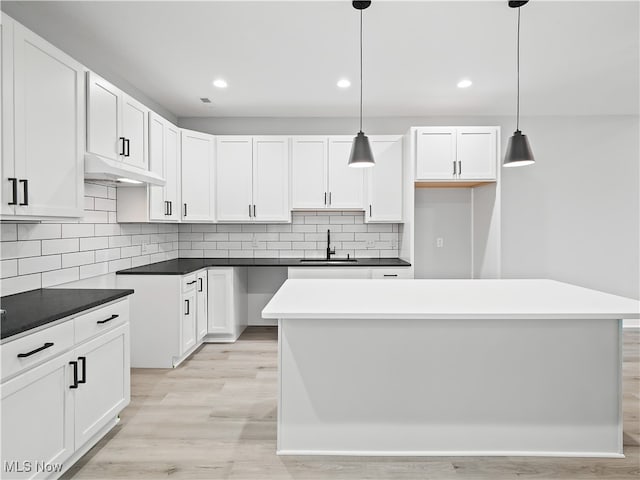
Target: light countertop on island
[{"x": 450, "y": 299}]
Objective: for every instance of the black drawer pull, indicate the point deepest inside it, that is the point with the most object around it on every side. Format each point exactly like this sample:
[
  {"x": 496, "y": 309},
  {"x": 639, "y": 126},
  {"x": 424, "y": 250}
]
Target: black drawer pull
[
  {"x": 191, "y": 283},
  {"x": 43, "y": 347},
  {"x": 75, "y": 374},
  {"x": 25, "y": 192},
  {"x": 390, "y": 274},
  {"x": 14, "y": 188},
  {"x": 84, "y": 369},
  {"x": 112, "y": 317}
]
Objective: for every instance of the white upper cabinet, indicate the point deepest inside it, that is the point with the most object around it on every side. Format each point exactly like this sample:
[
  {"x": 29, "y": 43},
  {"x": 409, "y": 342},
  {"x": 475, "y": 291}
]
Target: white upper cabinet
[
  {"x": 477, "y": 152},
  {"x": 116, "y": 124},
  {"x": 456, "y": 153},
  {"x": 164, "y": 160},
  {"x": 197, "y": 177},
  {"x": 271, "y": 179},
  {"x": 309, "y": 164},
  {"x": 252, "y": 179},
  {"x": 42, "y": 113},
  {"x": 384, "y": 180},
  {"x": 321, "y": 177},
  {"x": 346, "y": 184},
  {"x": 234, "y": 158}
]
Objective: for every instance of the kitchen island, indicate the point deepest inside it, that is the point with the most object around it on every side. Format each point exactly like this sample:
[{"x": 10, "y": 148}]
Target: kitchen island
[{"x": 449, "y": 367}]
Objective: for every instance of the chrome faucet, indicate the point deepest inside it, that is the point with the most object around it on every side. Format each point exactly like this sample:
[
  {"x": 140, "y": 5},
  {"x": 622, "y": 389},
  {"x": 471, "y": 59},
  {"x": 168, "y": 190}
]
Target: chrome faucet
[{"x": 329, "y": 251}]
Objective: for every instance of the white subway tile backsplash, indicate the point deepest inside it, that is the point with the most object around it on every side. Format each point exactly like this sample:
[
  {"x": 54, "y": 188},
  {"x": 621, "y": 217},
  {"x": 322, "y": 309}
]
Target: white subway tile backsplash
[
  {"x": 254, "y": 228},
  {"x": 64, "y": 245},
  {"x": 27, "y": 248},
  {"x": 94, "y": 243},
  {"x": 91, "y": 216},
  {"x": 94, "y": 269},
  {"x": 229, "y": 245},
  {"x": 120, "y": 241},
  {"x": 9, "y": 286},
  {"x": 139, "y": 261},
  {"x": 9, "y": 232},
  {"x": 77, "y": 258},
  {"x": 8, "y": 268},
  {"x": 39, "y": 264},
  {"x": 95, "y": 190},
  {"x": 240, "y": 253},
  {"x": 39, "y": 231},
  {"x": 70, "y": 230},
  {"x": 107, "y": 230},
  {"x": 279, "y": 246},
  {"x": 107, "y": 254},
  {"x": 88, "y": 203},
  {"x": 214, "y": 237},
  {"x": 104, "y": 204},
  {"x": 241, "y": 236},
  {"x": 199, "y": 228},
  {"x": 341, "y": 219},
  {"x": 229, "y": 228},
  {"x": 121, "y": 264},
  {"x": 56, "y": 277},
  {"x": 130, "y": 251},
  {"x": 316, "y": 220}
]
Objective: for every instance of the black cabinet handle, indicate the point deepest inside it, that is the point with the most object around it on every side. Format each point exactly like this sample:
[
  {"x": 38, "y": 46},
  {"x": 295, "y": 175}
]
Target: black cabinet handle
[
  {"x": 32, "y": 352},
  {"x": 187, "y": 311},
  {"x": 25, "y": 191},
  {"x": 454, "y": 168},
  {"x": 185, "y": 209},
  {"x": 14, "y": 188},
  {"x": 122, "y": 145},
  {"x": 166, "y": 207},
  {"x": 329, "y": 198},
  {"x": 391, "y": 275},
  {"x": 325, "y": 198},
  {"x": 170, "y": 207},
  {"x": 249, "y": 211},
  {"x": 112, "y": 317},
  {"x": 459, "y": 167},
  {"x": 254, "y": 211},
  {"x": 84, "y": 369},
  {"x": 75, "y": 374},
  {"x": 201, "y": 284},
  {"x": 127, "y": 142},
  {"x": 370, "y": 210},
  {"x": 191, "y": 283}
]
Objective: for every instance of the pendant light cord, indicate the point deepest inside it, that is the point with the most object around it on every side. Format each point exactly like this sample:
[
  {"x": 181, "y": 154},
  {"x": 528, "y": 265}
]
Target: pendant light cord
[
  {"x": 361, "y": 70},
  {"x": 518, "y": 75}
]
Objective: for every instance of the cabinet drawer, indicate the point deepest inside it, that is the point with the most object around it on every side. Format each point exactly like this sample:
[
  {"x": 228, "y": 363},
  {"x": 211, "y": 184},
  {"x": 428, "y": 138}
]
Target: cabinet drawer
[
  {"x": 101, "y": 320},
  {"x": 189, "y": 282},
  {"x": 391, "y": 273},
  {"x": 54, "y": 339}
]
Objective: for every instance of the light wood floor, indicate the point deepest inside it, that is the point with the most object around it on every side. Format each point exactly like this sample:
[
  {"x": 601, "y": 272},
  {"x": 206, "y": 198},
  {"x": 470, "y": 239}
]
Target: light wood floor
[{"x": 214, "y": 417}]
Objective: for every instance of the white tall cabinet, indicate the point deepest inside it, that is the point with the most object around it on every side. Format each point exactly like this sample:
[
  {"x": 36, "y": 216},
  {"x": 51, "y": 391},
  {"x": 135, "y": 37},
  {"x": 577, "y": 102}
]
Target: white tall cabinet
[
  {"x": 197, "y": 175},
  {"x": 42, "y": 127},
  {"x": 252, "y": 179}
]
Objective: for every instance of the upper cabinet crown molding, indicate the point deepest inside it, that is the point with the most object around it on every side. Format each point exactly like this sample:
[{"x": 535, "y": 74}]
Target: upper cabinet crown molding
[
  {"x": 456, "y": 154},
  {"x": 42, "y": 127}
]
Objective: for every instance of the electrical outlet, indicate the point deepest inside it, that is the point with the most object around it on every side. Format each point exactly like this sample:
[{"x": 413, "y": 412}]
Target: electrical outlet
[
  {"x": 144, "y": 248},
  {"x": 254, "y": 241},
  {"x": 439, "y": 242},
  {"x": 371, "y": 244}
]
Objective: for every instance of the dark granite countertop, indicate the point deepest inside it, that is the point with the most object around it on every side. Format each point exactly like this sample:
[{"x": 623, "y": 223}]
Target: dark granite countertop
[
  {"x": 182, "y": 266},
  {"x": 32, "y": 309}
]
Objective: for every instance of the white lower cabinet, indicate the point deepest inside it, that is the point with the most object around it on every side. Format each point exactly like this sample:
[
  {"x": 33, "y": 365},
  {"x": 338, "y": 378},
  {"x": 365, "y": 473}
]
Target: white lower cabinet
[
  {"x": 227, "y": 303},
  {"x": 188, "y": 321},
  {"x": 201, "y": 302},
  {"x": 63, "y": 403}
]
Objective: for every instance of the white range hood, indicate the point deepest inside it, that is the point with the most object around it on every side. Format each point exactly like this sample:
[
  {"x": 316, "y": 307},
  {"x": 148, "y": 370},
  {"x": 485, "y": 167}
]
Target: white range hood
[{"x": 100, "y": 168}]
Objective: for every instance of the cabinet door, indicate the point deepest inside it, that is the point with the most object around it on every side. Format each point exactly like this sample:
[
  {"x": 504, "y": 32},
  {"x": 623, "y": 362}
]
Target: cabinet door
[
  {"x": 384, "y": 180},
  {"x": 435, "y": 153},
  {"x": 201, "y": 300},
  {"x": 220, "y": 300},
  {"x": 346, "y": 184},
  {"x": 271, "y": 179},
  {"x": 476, "y": 152},
  {"x": 37, "y": 417},
  {"x": 309, "y": 172},
  {"x": 6, "y": 37},
  {"x": 103, "y": 118},
  {"x": 234, "y": 201},
  {"x": 172, "y": 170},
  {"x": 104, "y": 387},
  {"x": 48, "y": 149},
  {"x": 197, "y": 176},
  {"x": 188, "y": 322},
  {"x": 134, "y": 130},
  {"x": 158, "y": 209}
]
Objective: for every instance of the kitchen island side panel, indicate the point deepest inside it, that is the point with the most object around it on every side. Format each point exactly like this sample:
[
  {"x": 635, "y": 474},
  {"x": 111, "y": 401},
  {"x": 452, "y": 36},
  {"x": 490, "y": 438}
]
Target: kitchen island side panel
[{"x": 450, "y": 387}]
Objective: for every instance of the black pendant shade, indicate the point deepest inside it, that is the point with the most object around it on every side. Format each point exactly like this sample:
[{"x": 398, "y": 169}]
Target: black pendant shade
[
  {"x": 361, "y": 155},
  {"x": 518, "y": 151}
]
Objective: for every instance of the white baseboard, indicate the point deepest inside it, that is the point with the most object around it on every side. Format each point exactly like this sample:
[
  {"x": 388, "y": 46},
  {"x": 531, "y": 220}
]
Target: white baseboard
[{"x": 454, "y": 453}]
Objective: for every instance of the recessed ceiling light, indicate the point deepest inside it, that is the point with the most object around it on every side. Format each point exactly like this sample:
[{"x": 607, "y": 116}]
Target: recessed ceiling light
[
  {"x": 465, "y": 83},
  {"x": 220, "y": 83},
  {"x": 344, "y": 83}
]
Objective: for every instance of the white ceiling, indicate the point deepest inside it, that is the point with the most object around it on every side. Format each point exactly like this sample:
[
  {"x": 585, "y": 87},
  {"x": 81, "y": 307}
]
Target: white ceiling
[{"x": 284, "y": 58}]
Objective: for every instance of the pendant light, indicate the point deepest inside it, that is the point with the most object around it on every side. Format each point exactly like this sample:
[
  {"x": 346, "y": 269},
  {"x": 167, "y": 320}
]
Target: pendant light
[
  {"x": 361, "y": 155},
  {"x": 519, "y": 151}
]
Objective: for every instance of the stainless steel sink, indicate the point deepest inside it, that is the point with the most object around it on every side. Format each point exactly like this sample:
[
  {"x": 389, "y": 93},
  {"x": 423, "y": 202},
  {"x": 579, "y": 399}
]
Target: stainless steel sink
[{"x": 332, "y": 261}]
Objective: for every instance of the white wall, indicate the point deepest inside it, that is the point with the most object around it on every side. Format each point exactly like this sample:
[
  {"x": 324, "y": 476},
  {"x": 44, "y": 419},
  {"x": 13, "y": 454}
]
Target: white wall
[{"x": 574, "y": 216}]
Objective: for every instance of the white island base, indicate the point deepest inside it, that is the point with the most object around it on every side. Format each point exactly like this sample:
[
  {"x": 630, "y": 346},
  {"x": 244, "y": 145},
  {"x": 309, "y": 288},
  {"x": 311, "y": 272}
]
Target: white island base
[{"x": 432, "y": 368}]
